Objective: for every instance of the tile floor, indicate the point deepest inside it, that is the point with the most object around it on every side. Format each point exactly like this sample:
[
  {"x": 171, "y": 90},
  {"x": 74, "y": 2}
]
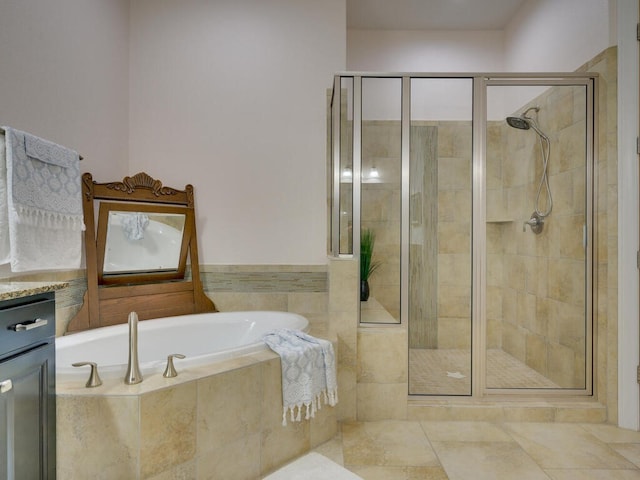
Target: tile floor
[
  {"x": 412, "y": 450},
  {"x": 448, "y": 372}
]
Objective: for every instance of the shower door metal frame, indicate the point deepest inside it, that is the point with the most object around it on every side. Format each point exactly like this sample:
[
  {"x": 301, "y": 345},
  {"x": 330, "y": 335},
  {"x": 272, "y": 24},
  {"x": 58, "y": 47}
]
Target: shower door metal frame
[
  {"x": 479, "y": 341},
  {"x": 480, "y": 82}
]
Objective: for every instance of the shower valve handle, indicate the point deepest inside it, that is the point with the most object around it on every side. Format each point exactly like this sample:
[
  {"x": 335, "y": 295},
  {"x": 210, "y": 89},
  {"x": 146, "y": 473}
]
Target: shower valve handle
[{"x": 536, "y": 222}]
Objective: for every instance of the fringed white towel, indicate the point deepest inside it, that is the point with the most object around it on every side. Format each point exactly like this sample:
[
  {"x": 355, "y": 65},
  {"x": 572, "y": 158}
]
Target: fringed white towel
[
  {"x": 44, "y": 203},
  {"x": 308, "y": 372},
  {"x": 5, "y": 246}
]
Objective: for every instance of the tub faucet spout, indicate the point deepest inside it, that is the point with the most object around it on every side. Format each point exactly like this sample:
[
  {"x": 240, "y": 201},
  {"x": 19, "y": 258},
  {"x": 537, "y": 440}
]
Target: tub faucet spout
[{"x": 133, "y": 375}]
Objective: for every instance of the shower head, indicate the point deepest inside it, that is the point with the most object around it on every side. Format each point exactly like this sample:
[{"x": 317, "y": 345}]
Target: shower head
[
  {"x": 519, "y": 122},
  {"x": 523, "y": 122}
]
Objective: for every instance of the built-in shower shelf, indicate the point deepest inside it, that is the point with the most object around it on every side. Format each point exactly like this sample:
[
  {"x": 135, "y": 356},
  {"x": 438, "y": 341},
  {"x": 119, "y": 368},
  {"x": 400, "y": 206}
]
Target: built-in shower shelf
[{"x": 499, "y": 220}]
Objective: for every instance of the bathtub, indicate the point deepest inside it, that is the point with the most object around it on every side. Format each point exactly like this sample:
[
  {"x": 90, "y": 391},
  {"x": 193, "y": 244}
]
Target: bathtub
[{"x": 203, "y": 338}]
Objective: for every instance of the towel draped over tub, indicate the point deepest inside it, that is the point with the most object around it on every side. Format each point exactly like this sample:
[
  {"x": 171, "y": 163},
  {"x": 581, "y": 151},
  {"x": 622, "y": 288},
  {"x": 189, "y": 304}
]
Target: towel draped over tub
[{"x": 308, "y": 372}]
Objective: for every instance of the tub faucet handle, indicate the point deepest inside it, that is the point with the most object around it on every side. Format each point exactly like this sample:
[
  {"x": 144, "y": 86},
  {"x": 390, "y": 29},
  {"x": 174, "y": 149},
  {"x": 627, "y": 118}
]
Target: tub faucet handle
[
  {"x": 94, "y": 378},
  {"x": 170, "y": 371}
]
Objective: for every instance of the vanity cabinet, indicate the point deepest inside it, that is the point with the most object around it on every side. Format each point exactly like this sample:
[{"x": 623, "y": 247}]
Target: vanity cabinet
[{"x": 27, "y": 388}]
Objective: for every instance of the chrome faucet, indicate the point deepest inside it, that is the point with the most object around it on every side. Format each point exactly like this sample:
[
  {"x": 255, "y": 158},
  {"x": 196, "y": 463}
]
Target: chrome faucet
[{"x": 133, "y": 375}]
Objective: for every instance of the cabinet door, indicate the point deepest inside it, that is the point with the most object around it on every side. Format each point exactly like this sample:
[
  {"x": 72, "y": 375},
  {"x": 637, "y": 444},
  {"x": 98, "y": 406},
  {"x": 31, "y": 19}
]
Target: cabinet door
[{"x": 26, "y": 406}]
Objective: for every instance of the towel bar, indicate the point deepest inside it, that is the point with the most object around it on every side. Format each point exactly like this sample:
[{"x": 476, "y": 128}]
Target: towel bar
[{"x": 2, "y": 130}]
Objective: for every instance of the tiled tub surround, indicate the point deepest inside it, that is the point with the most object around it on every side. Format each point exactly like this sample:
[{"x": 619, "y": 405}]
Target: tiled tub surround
[{"x": 218, "y": 421}]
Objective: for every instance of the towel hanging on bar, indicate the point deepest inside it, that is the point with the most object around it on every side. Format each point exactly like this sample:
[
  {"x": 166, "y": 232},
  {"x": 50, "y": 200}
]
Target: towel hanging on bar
[{"x": 2, "y": 130}]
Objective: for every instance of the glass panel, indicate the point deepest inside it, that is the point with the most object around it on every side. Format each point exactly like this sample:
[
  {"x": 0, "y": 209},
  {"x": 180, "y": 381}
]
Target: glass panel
[
  {"x": 380, "y": 199},
  {"x": 536, "y": 230},
  {"x": 346, "y": 166},
  {"x": 440, "y": 212}
]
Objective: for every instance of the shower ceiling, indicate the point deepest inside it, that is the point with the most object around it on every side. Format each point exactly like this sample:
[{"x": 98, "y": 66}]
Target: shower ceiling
[{"x": 431, "y": 14}]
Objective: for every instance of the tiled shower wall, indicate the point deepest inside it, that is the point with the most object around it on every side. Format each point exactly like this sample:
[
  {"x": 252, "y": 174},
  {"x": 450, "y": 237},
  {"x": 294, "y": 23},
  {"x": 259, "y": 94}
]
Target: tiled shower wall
[{"x": 536, "y": 281}]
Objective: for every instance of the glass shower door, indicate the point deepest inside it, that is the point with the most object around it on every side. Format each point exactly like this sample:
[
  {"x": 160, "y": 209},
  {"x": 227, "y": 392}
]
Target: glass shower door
[{"x": 538, "y": 329}]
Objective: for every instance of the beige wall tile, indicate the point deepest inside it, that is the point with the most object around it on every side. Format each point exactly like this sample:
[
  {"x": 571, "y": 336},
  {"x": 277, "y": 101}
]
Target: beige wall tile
[
  {"x": 186, "y": 471},
  {"x": 382, "y": 355},
  {"x": 454, "y": 333},
  {"x": 324, "y": 426},
  {"x": 528, "y": 414},
  {"x": 97, "y": 437},
  {"x": 228, "y": 408},
  {"x": 240, "y": 301},
  {"x": 167, "y": 428},
  {"x": 279, "y": 444},
  {"x": 306, "y": 303},
  {"x": 382, "y": 401},
  {"x": 237, "y": 460},
  {"x": 347, "y": 393}
]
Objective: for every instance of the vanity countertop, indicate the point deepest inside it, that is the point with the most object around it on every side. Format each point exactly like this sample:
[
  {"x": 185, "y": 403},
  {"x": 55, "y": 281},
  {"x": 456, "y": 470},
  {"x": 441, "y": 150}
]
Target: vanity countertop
[{"x": 9, "y": 290}]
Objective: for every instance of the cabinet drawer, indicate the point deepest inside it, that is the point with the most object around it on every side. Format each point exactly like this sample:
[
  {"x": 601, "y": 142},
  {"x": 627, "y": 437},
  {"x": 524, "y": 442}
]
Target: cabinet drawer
[{"x": 26, "y": 323}]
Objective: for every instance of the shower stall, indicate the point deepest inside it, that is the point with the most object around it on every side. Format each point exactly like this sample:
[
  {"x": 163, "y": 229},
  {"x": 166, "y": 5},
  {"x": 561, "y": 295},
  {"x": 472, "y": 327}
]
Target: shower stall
[{"x": 479, "y": 190}]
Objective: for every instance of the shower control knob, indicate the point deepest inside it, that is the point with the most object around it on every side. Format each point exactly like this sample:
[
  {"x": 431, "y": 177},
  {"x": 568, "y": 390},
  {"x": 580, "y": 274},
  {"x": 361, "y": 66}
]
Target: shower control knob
[{"x": 536, "y": 222}]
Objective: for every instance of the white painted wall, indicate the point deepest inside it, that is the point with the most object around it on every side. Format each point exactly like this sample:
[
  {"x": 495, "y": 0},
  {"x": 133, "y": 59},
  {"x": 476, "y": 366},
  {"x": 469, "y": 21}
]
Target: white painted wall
[
  {"x": 63, "y": 76},
  {"x": 424, "y": 51},
  {"x": 544, "y": 35},
  {"x": 231, "y": 97},
  {"x": 557, "y": 35}
]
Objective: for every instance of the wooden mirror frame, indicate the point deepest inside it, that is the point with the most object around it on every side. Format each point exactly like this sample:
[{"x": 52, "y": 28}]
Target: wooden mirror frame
[{"x": 150, "y": 294}]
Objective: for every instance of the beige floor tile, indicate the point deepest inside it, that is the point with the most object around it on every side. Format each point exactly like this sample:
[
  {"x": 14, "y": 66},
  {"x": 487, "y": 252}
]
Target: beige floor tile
[
  {"x": 426, "y": 473},
  {"x": 611, "y": 433},
  {"x": 389, "y": 443},
  {"x": 487, "y": 461},
  {"x": 399, "y": 473},
  {"x": 465, "y": 432},
  {"x": 332, "y": 449},
  {"x": 630, "y": 451},
  {"x": 379, "y": 473},
  {"x": 578, "y": 474},
  {"x": 565, "y": 446}
]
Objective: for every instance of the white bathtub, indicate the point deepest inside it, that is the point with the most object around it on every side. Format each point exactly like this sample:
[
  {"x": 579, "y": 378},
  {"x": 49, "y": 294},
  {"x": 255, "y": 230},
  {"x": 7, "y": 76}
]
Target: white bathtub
[{"x": 203, "y": 338}]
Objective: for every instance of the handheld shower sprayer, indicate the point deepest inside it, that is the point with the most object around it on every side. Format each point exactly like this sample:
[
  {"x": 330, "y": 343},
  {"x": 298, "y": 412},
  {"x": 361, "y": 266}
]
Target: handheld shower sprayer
[{"x": 526, "y": 122}]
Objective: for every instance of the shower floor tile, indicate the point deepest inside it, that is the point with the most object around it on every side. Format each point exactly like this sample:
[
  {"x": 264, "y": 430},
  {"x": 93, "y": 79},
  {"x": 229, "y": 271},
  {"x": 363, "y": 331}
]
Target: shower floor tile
[{"x": 448, "y": 372}]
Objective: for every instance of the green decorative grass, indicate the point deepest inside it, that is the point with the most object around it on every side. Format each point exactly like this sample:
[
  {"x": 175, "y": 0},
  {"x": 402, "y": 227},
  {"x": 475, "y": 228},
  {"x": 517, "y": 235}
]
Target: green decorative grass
[{"x": 367, "y": 242}]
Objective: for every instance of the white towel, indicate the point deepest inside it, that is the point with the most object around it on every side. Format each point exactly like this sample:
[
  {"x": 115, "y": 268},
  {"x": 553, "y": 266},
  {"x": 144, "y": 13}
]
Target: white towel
[
  {"x": 134, "y": 225},
  {"x": 308, "y": 372},
  {"x": 44, "y": 203},
  {"x": 5, "y": 246}
]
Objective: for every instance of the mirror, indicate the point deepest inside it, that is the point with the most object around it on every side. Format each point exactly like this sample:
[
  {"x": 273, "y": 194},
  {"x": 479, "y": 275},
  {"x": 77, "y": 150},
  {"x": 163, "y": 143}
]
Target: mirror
[
  {"x": 142, "y": 242},
  {"x": 137, "y": 251},
  {"x": 134, "y": 240}
]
